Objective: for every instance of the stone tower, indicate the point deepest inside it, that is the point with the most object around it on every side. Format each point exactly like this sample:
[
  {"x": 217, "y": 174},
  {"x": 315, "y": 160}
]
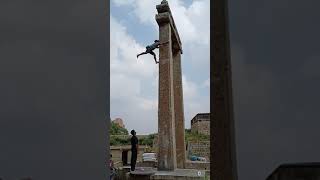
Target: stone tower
[{"x": 171, "y": 154}]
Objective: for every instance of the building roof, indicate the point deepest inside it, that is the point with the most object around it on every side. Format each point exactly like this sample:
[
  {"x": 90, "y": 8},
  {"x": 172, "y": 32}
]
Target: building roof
[
  {"x": 195, "y": 118},
  {"x": 202, "y": 114}
]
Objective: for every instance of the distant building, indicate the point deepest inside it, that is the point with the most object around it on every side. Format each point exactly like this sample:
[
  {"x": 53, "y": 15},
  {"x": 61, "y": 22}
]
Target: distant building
[
  {"x": 119, "y": 122},
  {"x": 201, "y": 123}
]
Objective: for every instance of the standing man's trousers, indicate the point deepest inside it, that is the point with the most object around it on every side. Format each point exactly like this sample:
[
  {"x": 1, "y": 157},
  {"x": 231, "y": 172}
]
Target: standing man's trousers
[{"x": 133, "y": 159}]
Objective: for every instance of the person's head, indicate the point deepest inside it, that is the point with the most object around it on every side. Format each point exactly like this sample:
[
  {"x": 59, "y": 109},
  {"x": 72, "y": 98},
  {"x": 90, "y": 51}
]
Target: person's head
[
  {"x": 133, "y": 132},
  {"x": 156, "y": 41}
]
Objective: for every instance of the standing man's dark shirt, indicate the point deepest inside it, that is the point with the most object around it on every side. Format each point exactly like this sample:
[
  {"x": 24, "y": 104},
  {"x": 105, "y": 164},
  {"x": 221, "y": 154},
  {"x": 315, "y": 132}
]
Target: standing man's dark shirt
[
  {"x": 134, "y": 142},
  {"x": 134, "y": 150}
]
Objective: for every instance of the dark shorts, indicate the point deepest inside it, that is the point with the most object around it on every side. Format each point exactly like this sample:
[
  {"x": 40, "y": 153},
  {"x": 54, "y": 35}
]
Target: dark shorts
[{"x": 148, "y": 49}]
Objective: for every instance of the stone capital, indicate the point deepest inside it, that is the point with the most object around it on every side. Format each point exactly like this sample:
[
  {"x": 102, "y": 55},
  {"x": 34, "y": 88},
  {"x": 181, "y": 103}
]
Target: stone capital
[
  {"x": 165, "y": 17},
  {"x": 163, "y": 7}
]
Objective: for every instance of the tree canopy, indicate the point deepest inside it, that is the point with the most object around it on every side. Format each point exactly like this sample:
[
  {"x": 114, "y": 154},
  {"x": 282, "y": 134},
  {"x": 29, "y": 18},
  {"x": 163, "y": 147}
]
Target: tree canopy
[{"x": 117, "y": 130}]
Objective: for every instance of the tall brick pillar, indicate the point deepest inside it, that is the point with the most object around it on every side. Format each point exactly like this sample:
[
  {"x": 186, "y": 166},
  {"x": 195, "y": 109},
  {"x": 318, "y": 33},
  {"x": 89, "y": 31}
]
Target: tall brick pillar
[
  {"x": 171, "y": 153},
  {"x": 179, "y": 110}
]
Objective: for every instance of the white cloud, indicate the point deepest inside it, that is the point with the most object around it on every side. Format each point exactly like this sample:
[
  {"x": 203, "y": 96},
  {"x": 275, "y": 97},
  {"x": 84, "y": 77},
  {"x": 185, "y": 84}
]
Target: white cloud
[
  {"x": 193, "y": 22},
  {"x": 123, "y": 86},
  {"x": 122, "y": 2},
  {"x": 190, "y": 90},
  {"x": 194, "y": 102},
  {"x": 206, "y": 83},
  {"x": 123, "y": 53},
  {"x": 148, "y": 104},
  {"x": 127, "y": 78},
  {"x": 145, "y": 10}
]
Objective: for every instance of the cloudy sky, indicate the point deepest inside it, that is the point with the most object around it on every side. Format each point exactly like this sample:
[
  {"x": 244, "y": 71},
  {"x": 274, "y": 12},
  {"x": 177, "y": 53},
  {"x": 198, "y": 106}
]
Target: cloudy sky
[{"x": 134, "y": 83}]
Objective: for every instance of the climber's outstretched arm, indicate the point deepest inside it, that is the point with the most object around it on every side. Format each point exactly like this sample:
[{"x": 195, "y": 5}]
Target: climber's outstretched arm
[{"x": 163, "y": 43}]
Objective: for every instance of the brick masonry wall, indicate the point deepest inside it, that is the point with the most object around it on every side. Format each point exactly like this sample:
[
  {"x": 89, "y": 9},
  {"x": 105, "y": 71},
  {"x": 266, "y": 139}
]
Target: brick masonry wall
[
  {"x": 202, "y": 127},
  {"x": 198, "y": 165},
  {"x": 200, "y": 148}
]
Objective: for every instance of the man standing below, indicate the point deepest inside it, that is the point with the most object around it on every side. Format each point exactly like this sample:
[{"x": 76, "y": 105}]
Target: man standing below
[{"x": 134, "y": 150}]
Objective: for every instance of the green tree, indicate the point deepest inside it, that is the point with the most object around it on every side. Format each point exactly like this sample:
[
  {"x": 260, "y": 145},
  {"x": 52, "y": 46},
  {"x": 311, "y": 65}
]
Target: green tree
[
  {"x": 119, "y": 141},
  {"x": 193, "y": 136},
  {"x": 147, "y": 140},
  {"x": 117, "y": 130}
]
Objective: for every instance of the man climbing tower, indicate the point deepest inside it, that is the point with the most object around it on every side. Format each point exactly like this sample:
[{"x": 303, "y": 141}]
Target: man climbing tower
[{"x": 150, "y": 48}]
